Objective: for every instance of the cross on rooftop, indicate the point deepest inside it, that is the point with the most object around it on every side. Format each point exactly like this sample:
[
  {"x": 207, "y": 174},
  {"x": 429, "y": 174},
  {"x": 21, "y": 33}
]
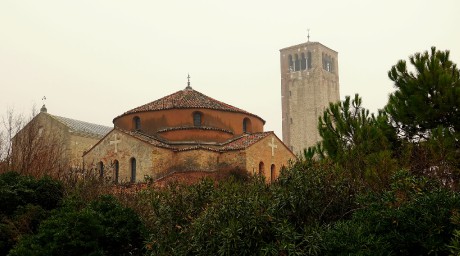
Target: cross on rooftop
[
  {"x": 273, "y": 146},
  {"x": 188, "y": 82},
  {"x": 115, "y": 142}
]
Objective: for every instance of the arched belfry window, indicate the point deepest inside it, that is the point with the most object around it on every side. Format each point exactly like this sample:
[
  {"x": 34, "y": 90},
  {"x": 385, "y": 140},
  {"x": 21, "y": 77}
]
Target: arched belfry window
[
  {"x": 133, "y": 165},
  {"x": 297, "y": 63},
  {"x": 303, "y": 62},
  {"x": 327, "y": 63},
  {"x": 197, "y": 118},
  {"x": 137, "y": 123},
  {"x": 247, "y": 127},
  {"x": 116, "y": 167},
  {"x": 290, "y": 63}
]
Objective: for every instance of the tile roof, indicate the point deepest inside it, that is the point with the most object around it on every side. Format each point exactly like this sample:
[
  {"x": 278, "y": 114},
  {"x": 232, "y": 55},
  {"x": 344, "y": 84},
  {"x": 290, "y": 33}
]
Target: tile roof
[
  {"x": 187, "y": 98},
  {"x": 84, "y": 127},
  {"x": 149, "y": 139},
  {"x": 244, "y": 141},
  {"x": 195, "y": 128},
  {"x": 238, "y": 143}
]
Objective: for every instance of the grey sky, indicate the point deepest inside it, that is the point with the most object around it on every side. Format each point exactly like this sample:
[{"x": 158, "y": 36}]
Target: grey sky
[{"x": 95, "y": 59}]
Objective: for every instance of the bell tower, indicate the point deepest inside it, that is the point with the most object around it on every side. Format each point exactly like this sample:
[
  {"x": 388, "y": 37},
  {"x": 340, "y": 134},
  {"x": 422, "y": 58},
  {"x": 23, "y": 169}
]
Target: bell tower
[{"x": 309, "y": 82}]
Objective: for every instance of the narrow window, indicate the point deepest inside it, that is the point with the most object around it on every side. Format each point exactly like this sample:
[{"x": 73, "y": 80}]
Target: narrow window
[
  {"x": 303, "y": 62},
  {"x": 101, "y": 169},
  {"x": 261, "y": 168},
  {"x": 137, "y": 123},
  {"x": 291, "y": 120},
  {"x": 272, "y": 173},
  {"x": 290, "y": 63},
  {"x": 133, "y": 169},
  {"x": 117, "y": 171},
  {"x": 197, "y": 119},
  {"x": 297, "y": 63},
  {"x": 247, "y": 125}
]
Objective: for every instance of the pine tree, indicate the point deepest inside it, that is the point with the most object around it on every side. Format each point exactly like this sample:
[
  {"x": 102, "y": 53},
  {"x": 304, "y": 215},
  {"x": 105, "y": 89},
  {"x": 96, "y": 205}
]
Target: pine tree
[{"x": 427, "y": 98}]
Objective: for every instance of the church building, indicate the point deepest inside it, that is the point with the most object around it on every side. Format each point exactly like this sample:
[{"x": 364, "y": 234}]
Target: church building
[
  {"x": 182, "y": 133},
  {"x": 50, "y": 144}
]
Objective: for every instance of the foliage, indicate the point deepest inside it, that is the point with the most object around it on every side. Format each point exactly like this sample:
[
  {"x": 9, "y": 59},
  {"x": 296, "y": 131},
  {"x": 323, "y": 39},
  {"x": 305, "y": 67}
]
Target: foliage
[
  {"x": 313, "y": 192},
  {"x": 172, "y": 211},
  {"x": 24, "y": 202},
  {"x": 357, "y": 141},
  {"x": 427, "y": 98},
  {"x": 425, "y": 108},
  {"x": 411, "y": 218},
  {"x": 17, "y": 190},
  {"x": 103, "y": 227}
]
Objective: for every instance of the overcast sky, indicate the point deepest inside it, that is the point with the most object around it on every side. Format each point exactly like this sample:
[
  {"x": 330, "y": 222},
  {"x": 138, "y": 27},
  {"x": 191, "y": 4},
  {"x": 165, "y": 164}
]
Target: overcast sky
[{"x": 95, "y": 59}]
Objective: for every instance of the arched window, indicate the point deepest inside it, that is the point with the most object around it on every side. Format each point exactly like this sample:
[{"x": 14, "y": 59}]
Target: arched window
[
  {"x": 290, "y": 63},
  {"x": 327, "y": 63},
  {"x": 197, "y": 119},
  {"x": 261, "y": 168},
  {"x": 272, "y": 173},
  {"x": 297, "y": 63},
  {"x": 309, "y": 60},
  {"x": 247, "y": 128},
  {"x": 116, "y": 167},
  {"x": 137, "y": 123},
  {"x": 133, "y": 169},
  {"x": 303, "y": 62},
  {"x": 101, "y": 169}
]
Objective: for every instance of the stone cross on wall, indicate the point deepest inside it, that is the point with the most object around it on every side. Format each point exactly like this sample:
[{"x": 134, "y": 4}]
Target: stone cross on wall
[
  {"x": 273, "y": 146},
  {"x": 115, "y": 142}
]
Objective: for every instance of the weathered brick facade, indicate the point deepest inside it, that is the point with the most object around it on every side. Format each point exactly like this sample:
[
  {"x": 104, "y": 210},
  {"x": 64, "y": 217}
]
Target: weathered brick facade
[{"x": 309, "y": 82}]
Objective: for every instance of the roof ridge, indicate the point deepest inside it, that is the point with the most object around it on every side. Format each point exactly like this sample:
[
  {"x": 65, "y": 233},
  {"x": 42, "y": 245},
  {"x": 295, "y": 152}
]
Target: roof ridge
[
  {"x": 82, "y": 126},
  {"x": 187, "y": 99}
]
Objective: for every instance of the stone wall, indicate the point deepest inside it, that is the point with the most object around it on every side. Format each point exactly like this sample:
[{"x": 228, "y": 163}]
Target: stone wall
[{"x": 262, "y": 152}]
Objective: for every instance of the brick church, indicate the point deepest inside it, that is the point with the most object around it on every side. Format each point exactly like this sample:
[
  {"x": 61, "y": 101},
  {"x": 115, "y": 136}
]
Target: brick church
[{"x": 186, "y": 132}]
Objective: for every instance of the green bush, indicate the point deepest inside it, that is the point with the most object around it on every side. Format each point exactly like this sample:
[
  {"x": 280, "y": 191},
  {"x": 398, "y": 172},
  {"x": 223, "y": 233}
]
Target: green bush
[
  {"x": 103, "y": 227},
  {"x": 24, "y": 202},
  {"x": 17, "y": 190},
  {"x": 414, "y": 217}
]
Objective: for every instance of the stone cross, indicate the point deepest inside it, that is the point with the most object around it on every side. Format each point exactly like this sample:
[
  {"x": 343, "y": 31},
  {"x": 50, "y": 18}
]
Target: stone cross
[
  {"x": 273, "y": 146},
  {"x": 115, "y": 142}
]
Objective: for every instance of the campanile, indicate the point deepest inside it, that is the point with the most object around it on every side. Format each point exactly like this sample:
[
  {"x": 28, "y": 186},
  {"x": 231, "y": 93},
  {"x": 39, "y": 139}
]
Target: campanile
[{"x": 309, "y": 82}]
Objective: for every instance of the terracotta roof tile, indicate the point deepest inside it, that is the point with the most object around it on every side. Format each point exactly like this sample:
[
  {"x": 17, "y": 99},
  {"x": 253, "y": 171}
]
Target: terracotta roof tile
[
  {"x": 187, "y": 98},
  {"x": 147, "y": 138},
  {"x": 206, "y": 128},
  {"x": 244, "y": 141},
  {"x": 238, "y": 143}
]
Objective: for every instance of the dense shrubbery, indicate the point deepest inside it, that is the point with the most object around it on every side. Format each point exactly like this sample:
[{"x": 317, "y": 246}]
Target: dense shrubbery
[
  {"x": 24, "y": 202},
  {"x": 103, "y": 227}
]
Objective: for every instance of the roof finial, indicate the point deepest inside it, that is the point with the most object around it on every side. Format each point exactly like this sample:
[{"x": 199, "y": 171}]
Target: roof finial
[
  {"x": 43, "y": 109},
  {"x": 308, "y": 36},
  {"x": 188, "y": 82}
]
